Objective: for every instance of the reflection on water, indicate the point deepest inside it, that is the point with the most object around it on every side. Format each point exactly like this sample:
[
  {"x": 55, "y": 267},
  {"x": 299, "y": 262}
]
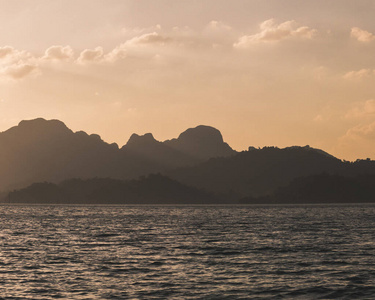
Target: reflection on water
[{"x": 156, "y": 252}]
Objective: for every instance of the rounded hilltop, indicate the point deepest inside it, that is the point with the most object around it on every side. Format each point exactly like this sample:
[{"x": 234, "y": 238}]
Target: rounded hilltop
[
  {"x": 39, "y": 127},
  {"x": 202, "y": 141}
]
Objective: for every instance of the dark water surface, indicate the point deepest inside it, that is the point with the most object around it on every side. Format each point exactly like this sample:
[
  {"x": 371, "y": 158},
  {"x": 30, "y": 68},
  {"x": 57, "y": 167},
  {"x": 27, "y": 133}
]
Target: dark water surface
[{"x": 156, "y": 252}]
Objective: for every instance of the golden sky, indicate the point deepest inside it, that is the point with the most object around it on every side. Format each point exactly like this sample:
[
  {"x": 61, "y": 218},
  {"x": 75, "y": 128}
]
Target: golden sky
[{"x": 264, "y": 72}]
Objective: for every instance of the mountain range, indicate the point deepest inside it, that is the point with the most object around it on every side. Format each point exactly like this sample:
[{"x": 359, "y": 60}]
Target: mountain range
[
  {"x": 47, "y": 150},
  {"x": 198, "y": 159}
]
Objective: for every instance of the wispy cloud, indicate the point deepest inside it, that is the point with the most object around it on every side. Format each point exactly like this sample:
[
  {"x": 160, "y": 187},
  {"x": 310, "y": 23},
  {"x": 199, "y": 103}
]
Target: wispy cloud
[
  {"x": 218, "y": 26},
  {"x": 5, "y": 51},
  {"x": 272, "y": 32},
  {"x": 149, "y": 38},
  {"x": 18, "y": 71},
  {"x": 362, "y": 110},
  {"x": 116, "y": 54},
  {"x": 366, "y": 131},
  {"x": 358, "y": 75}
]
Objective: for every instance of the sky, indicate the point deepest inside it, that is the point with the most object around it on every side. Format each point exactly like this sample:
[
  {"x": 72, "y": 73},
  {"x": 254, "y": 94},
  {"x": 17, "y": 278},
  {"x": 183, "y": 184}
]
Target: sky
[{"x": 265, "y": 73}]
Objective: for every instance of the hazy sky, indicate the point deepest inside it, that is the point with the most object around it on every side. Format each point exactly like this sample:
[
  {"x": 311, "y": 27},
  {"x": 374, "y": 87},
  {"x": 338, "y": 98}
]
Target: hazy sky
[{"x": 263, "y": 72}]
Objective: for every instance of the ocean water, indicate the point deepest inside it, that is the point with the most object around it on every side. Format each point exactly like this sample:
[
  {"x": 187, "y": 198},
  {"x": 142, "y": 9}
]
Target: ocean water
[{"x": 166, "y": 252}]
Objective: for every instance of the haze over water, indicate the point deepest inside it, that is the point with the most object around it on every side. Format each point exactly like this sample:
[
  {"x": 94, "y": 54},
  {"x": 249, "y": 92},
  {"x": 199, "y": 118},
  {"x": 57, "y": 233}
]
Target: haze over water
[{"x": 190, "y": 252}]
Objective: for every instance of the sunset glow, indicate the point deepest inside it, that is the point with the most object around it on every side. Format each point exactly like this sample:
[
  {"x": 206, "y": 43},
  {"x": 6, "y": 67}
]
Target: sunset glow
[{"x": 262, "y": 72}]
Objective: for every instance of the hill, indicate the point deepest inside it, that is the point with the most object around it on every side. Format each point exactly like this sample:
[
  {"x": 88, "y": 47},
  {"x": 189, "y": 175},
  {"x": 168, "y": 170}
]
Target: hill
[
  {"x": 153, "y": 189},
  {"x": 47, "y": 150},
  {"x": 322, "y": 188},
  {"x": 261, "y": 171},
  {"x": 202, "y": 142}
]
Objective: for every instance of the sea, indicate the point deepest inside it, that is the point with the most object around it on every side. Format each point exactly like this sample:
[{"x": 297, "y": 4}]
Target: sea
[{"x": 187, "y": 252}]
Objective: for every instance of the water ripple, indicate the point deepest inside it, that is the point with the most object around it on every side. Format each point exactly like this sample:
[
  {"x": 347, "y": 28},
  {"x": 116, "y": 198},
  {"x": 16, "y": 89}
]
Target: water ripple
[{"x": 166, "y": 252}]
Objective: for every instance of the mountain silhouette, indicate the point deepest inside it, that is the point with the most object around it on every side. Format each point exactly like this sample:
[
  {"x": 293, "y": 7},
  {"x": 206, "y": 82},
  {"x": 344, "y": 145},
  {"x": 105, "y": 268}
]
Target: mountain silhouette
[
  {"x": 39, "y": 150},
  {"x": 47, "y": 150},
  {"x": 322, "y": 188},
  {"x": 151, "y": 151},
  {"x": 153, "y": 189},
  {"x": 259, "y": 172},
  {"x": 202, "y": 142}
]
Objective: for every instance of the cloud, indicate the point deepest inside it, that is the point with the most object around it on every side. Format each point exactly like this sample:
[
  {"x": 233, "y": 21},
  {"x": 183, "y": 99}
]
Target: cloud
[
  {"x": 59, "y": 53},
  {"x": 97, "y": 55},
  {"x": 361, "y": 35},
  {"x": 18, "y": 71},
  {"x": 91, "y": 55},
  {"x": 216, "y": 35},
  {"x": 358, "y": 140},
  {"x": 358, "y": 75},
  {"x": 136, "y": 31},
  {"x": 16, "y": 64},
  {"x": 149, "y": 38},
  {"x": 121, "y": 51},
  {"x": 362, "y": 110},
  {"x": 9, "y": 55},
  {"x": 361, "y": 131},
  {"x": 117, "y": 53},
  {"x": 272, "y": 32},
  {"x": 218, "y": 26},
  {"x": 5, "y": 51}
]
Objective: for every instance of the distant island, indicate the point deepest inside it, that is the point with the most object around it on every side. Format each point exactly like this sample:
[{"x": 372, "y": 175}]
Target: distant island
[
  {"x": 153, "y": 189},
  {"x": 43, "y": 161},
  {"x": 158, "y": 189},
  {"x": 319, "y": 189}
]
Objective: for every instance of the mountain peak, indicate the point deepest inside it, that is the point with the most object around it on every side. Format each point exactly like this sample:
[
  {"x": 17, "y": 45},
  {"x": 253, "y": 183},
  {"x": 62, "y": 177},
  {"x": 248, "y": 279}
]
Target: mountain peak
[
  {"x": 141, "y": 140},
  {"x": 39, "y": 127},
  {"x": 202, "y": 142},
  {"x": 202, "y": 133},
  {"x": 40, "y": 122}
]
